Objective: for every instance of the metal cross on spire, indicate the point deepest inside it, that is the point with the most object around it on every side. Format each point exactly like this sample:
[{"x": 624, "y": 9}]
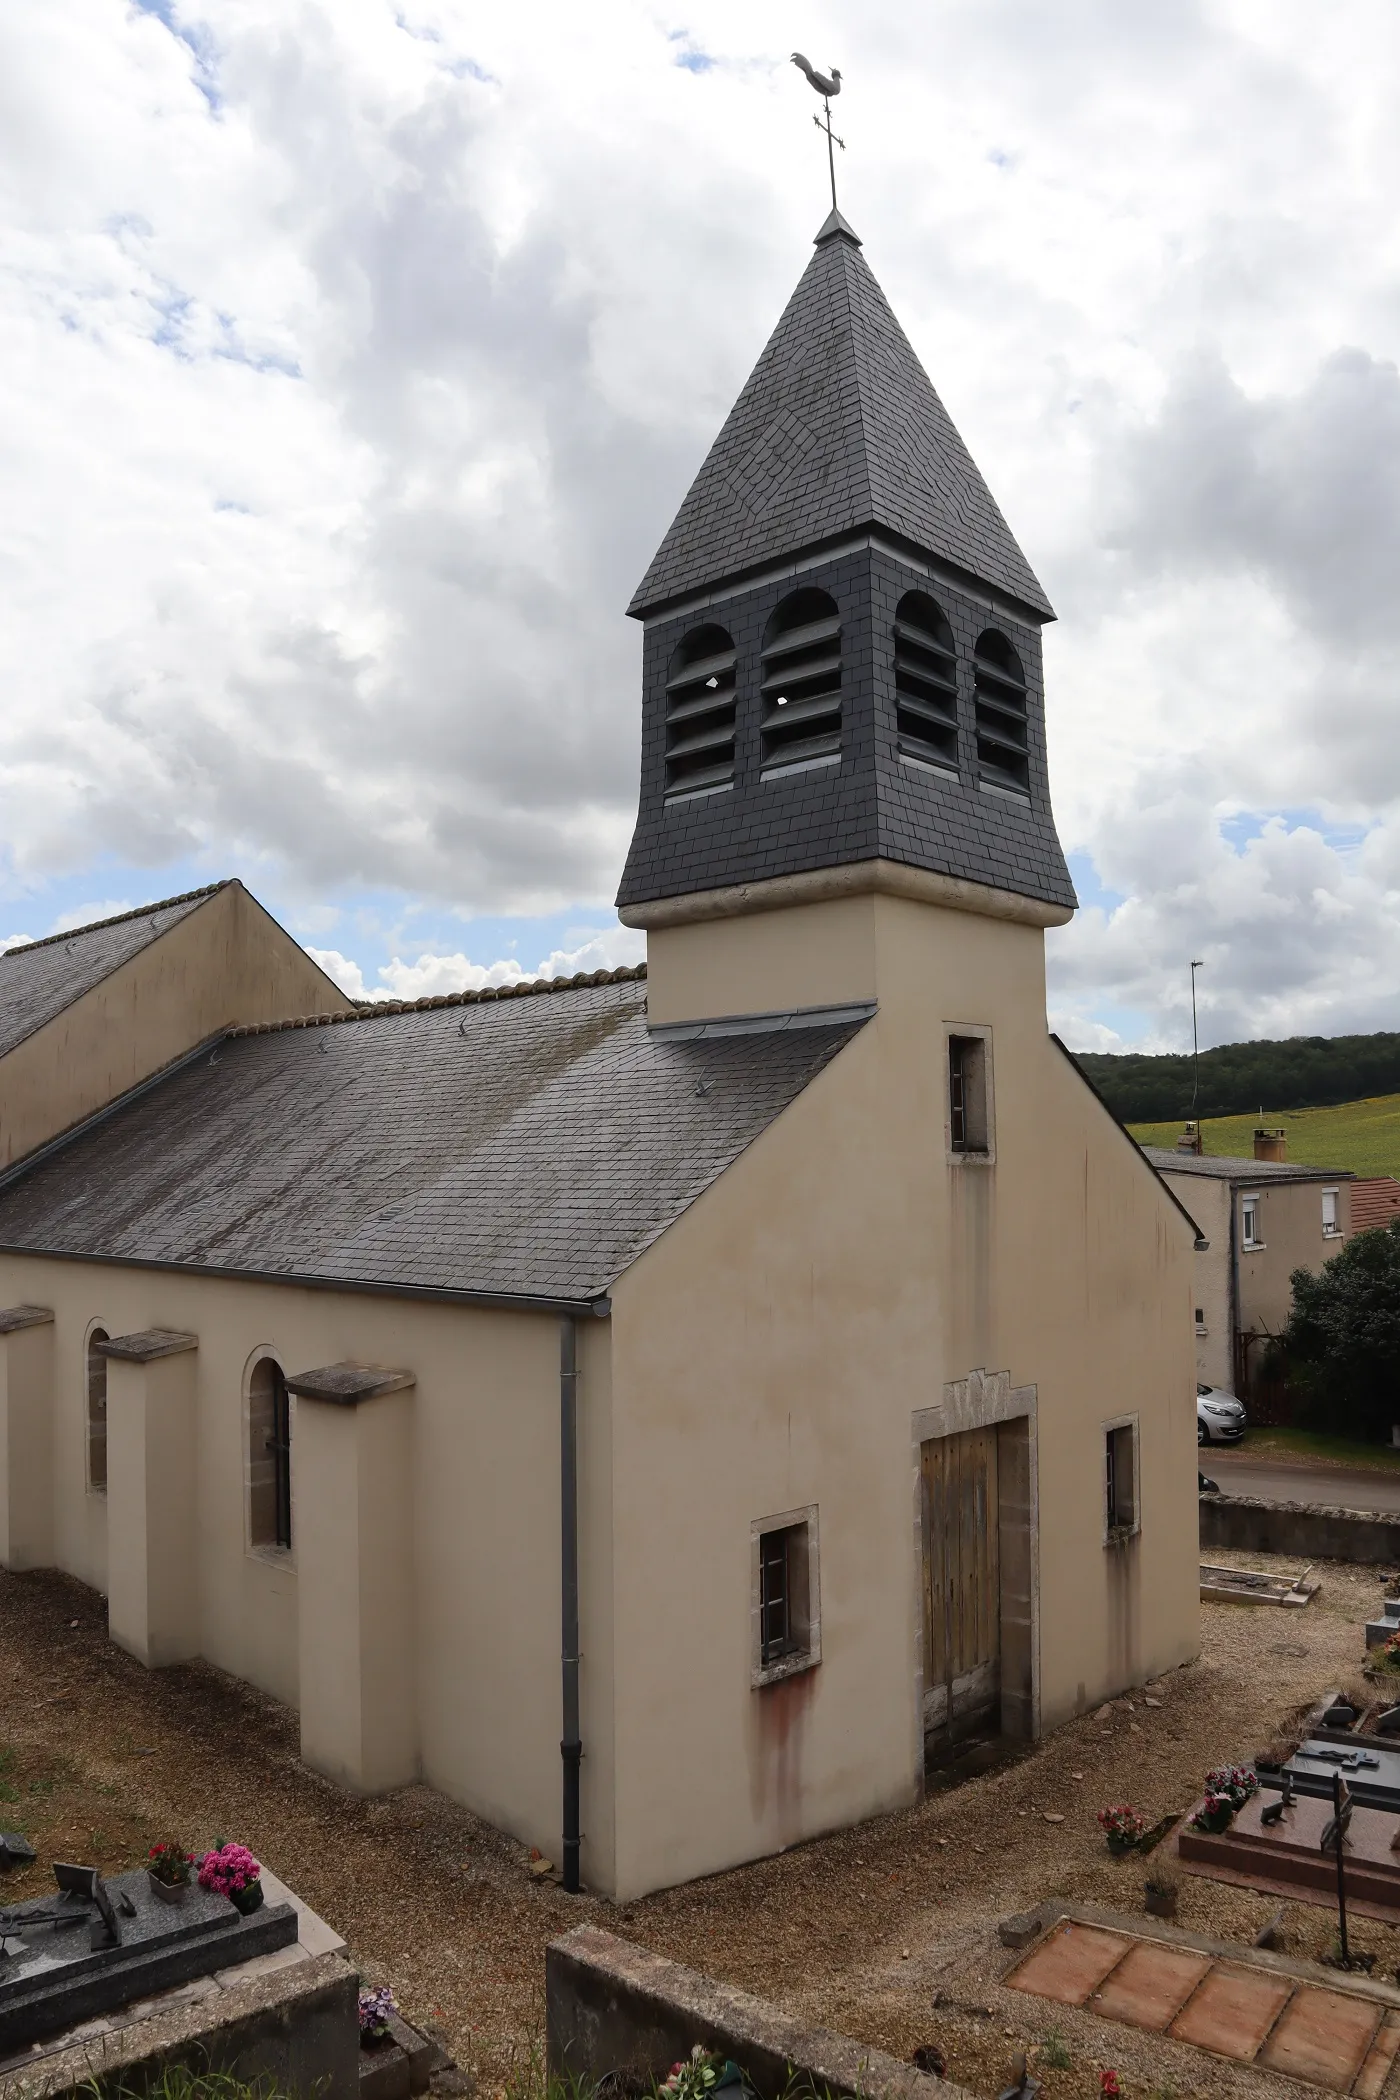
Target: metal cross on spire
[{"x": 827, "y": 85}]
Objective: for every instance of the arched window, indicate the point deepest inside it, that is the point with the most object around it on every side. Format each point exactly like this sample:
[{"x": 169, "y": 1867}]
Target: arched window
[
  {"x": 801, "y": 686},
  {"x": 269, "y": 1456},
  {"x": 700, "y": 713},
  {"x": 926, "y": 684},
  {"x": 1002, "y": 733},
  {"x": 97, "y": 1412}
]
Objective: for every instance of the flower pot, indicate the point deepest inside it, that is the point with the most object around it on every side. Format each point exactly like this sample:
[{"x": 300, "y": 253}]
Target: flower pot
[
  {"x": 1159, "y": 1903},
  {"x": 1118, "y": 1846},
  {"x": 1218, "y": 1820},
  {"x": 247, "y": 1900},
  {"x": 168, "y": 1891}
]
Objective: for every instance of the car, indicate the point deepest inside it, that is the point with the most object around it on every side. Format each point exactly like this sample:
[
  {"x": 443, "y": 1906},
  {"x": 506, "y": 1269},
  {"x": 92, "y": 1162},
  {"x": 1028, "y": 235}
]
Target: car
[{"x": 1220, "y": 1418}]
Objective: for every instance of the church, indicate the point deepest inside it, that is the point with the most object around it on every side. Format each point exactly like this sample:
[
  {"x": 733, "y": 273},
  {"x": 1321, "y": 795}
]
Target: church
[{"x": 668, "y": 1410}]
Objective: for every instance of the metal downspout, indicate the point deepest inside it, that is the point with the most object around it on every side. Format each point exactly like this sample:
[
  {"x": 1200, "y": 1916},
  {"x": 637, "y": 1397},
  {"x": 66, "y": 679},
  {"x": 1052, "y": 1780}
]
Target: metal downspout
[
  {"x": 571, "y": 1744},
  {"x": 1236, "y": 1339}
]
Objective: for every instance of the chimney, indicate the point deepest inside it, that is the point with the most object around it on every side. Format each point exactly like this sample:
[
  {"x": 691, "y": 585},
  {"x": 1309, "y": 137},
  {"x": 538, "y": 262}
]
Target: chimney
[
  {"x": 1271, "y": 1144},
  {"x": 1190, "y": 1139}
]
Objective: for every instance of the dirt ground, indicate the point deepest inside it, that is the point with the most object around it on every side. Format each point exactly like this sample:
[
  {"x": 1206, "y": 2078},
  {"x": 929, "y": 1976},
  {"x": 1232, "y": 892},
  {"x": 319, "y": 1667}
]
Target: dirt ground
[{"x": 886, "y": 1932}]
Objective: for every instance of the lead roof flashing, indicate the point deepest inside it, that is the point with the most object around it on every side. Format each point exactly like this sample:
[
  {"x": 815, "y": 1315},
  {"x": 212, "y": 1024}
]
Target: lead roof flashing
[
  {"x": 763, "y": 1024},
  {"x": 835, "y": 227}
]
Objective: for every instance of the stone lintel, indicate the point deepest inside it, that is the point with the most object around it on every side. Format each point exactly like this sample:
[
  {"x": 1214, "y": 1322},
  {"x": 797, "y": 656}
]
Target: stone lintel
[
  {"x": 14, "y": 1317},
  {"x": 881, "y": 878},
  {"x": 346, "y": 1384},
  {"x": 150, "y": 1343}
]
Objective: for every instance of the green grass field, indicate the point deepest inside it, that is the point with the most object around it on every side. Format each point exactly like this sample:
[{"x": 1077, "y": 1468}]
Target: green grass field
[{"x": 1361, "y": 1135}]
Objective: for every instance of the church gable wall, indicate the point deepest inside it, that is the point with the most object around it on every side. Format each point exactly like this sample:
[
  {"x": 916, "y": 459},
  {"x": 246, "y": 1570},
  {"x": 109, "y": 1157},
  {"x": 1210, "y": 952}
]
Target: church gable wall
[
  {"x": 226, "y": 963},
  {"x": 790, "y": 1341}
]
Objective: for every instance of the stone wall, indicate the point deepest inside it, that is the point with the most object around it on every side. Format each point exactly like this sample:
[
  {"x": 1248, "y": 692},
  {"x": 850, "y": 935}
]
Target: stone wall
[
  {"x": 1304, "y": 1531},
  {"x": 610, "y": 2006},
  {"x": 298, "y": 2026}
]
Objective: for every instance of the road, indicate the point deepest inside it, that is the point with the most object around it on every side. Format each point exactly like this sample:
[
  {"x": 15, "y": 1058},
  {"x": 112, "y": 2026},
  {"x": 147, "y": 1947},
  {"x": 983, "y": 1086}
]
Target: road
[{"x": 1275, "y": 1480}]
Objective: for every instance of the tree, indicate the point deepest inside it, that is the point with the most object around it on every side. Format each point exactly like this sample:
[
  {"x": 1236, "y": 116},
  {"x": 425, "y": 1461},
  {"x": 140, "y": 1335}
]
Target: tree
[{"x": 1343, "y": 1336}]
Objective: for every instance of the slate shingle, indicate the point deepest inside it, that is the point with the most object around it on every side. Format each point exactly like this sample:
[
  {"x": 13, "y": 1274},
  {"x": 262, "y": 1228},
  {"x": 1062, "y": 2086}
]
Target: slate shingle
[
  {"x": 531, "y": 1147},
  {"x": 40, "y": 978},
  {"x": 838, "y": 428}
]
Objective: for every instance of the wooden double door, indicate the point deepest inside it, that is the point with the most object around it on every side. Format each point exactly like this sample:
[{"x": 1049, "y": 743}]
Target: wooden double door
[{"x": 962, "y": 1588}]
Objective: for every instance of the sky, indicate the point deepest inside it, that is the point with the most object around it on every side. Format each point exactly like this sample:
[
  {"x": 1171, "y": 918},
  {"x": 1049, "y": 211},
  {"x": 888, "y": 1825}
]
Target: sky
[{"x": 356, "y": 357}]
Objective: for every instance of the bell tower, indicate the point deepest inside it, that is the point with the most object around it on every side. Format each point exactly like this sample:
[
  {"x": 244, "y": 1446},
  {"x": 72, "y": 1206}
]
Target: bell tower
[{"x": 842, "y": 686}]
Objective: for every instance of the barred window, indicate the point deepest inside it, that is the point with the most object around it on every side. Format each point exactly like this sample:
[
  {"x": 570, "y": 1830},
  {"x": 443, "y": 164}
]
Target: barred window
[{"x": 269, "y": 1456}]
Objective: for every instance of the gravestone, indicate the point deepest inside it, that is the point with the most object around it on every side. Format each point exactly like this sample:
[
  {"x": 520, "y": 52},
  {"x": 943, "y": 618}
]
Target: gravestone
[{"x": 93, "y": 1946}]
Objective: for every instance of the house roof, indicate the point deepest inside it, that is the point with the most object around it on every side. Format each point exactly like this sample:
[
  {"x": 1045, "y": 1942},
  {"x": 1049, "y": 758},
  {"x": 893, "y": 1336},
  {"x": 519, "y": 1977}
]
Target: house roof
[
  {"x": 838, "y": 428},
  {"x": 40, "y": 978},
  {"x": 502, "y": 1145},
  {"x": 1374, "y": 1201},
  {"x": 1217, "y": 1167}
]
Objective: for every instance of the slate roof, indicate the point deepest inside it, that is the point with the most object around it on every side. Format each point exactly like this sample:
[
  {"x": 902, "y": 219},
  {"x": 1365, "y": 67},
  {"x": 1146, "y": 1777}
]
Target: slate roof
[
  {"x": 1221, "y": 1167},
  {"x": 838, "y": 428},
  {"x": 41, "y": 978},
  {"x": 527, "y": 1147}
]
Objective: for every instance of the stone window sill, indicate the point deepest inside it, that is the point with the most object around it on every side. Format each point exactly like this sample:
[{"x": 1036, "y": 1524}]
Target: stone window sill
[
  {"x": 273, "y": 1556},
  {"x": 786, "y": 1666}
]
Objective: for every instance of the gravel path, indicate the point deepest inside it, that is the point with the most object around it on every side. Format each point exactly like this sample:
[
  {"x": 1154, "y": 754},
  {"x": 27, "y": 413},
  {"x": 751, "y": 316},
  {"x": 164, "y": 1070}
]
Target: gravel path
[{"x": 864, "y": 1930}]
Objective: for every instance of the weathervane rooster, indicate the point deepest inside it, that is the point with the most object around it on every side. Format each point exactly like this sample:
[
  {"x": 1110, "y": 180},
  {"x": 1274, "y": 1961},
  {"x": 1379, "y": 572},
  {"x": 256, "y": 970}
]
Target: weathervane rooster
[{"x": 827, "y": 86}]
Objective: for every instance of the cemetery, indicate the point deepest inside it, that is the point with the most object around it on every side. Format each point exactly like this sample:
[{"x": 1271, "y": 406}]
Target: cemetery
[{"x": 905, "y": 1942}]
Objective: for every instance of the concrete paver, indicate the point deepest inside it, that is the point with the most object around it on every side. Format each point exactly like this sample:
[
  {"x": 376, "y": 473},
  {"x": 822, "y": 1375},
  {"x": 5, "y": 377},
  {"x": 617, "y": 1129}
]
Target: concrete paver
[
  {"x": 1150, "y": 1985},
  {"x": 1232, "y": 2011},
  {"x": 1376, "y": 2069},
  {"x": 1071, "y": 1963},
  {"x": 1323, "y": 2037}
]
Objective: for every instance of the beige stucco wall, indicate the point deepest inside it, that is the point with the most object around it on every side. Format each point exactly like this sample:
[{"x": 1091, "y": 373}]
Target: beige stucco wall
[
  {"x": 1290, "y": 1214},
  {"x": 484, "y": 1627},
  {"x": 1290, "y": 1218},
  {"x": 1209, "y": 1204},
  {"x": 772, "y": 1349},
  {"x": 224, "y": 964}
]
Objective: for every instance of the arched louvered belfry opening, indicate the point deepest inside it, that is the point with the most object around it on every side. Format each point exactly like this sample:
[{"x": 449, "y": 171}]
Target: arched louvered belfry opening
[
  {"x": 1002, "y": 726},
  {"x": 801, "y": 683},
  {"x": 700, "y": 713},
  {"x": 926, "y": 683}
]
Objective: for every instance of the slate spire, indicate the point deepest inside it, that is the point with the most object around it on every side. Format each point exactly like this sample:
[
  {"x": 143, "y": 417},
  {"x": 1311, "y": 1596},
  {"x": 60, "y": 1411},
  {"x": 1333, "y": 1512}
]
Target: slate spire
[
  {"x": 837, "y": 429},
  {"x": 842, "y": 657}
]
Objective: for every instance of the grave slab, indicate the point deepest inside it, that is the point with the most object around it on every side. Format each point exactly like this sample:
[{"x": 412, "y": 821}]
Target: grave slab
[
  {"x": 1149, "y": 1986},
  {"x": 1071, "y": 1963},
  {"x": 1374, "y": 2072},
  {"x": 1322, "y": 2037},
  {"x": 52, "y": 1980},
  {"x": 1232, "y": 2011}
]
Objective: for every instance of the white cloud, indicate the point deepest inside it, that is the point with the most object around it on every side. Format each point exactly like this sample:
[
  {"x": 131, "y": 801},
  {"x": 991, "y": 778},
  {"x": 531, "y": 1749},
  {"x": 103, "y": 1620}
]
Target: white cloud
[
  {"x": 355, "y": 363},
  {"x": 432, "y": 975}
]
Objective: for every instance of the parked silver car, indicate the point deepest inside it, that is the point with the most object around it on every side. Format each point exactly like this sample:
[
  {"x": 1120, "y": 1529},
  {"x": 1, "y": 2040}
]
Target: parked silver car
[{"x": 1220, "y": 1418}]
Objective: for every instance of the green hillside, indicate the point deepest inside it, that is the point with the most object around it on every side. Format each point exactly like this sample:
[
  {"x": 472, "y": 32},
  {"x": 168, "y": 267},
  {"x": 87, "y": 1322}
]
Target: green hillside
[
  {"x": 1311, "y": 1071},
  {"x": 1362, "y": 1135}
]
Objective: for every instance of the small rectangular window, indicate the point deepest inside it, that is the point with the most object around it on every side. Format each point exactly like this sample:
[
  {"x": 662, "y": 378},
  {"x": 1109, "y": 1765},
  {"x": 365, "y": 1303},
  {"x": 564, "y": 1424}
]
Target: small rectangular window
[
  {"x": 1200, "y": 1319},
  {"x": 1120, "y": 1480},
  {"x": 786, "y": 1622},
  {"x": 1330, "y": 1228},
  {"x": 968, "y": 1120},
  {"x": 1249, "y": 1218}
]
